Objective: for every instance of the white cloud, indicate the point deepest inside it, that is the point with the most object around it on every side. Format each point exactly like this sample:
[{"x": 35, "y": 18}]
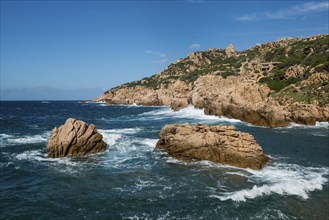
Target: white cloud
[
  {"x": 158, "y": 54},
  {"x": 286, "y": 13},
  {"x": 246, "y": 17},
  {"x": 164, "y": 60},
  {"x": 162, "y": 54},
  {"x": 194, "y": 46}
]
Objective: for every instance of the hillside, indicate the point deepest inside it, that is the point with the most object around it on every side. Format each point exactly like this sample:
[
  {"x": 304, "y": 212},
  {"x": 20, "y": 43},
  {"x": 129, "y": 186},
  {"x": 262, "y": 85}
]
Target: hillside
[{"x": 270, "y": 84}]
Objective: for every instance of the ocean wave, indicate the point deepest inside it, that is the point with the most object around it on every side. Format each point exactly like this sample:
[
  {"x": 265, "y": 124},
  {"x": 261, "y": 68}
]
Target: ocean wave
[
  {"x": 8, "y": 164},
  {"x": 317, "y": 125},
  {"x": 188, "y": 112},
  {"x": 111, "y": 136},
  {"x": 134, "y": 145},
  {"x": 9, "y": 140},
  {"x": 125, "y": 150},
  {"x": 149, "y": 142},
  {"x": 103, "y": 104},
  {"x": 99, "y": 102},
  {"x": 136, "y": 105},
  {"x": 62, "y": 164},
  {"x": 283, "y": 179},
  {"x": 34, "y": 155},
  {"x": 269, "y": 213},
  {"x": 29, "y": 139}
]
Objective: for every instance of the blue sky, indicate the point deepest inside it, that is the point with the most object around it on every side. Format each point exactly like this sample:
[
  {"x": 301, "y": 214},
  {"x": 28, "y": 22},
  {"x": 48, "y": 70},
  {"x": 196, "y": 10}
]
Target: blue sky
[{"x": 71, "y": 47}]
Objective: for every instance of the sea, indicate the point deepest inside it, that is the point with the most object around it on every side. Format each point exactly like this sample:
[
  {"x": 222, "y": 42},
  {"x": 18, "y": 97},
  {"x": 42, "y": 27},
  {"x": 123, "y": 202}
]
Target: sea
[{"x": 133, "y": 180}]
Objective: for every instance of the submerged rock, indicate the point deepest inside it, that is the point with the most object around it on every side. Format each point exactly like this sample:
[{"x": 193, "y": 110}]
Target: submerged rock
[
  {"x": 219, "y": 144},
  {"x": 74, "y": 138}
]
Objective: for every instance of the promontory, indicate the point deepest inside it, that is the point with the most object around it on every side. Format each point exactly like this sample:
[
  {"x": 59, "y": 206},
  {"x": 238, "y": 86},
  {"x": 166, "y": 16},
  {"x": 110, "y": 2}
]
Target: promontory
[{"x": 271, "y": 84}]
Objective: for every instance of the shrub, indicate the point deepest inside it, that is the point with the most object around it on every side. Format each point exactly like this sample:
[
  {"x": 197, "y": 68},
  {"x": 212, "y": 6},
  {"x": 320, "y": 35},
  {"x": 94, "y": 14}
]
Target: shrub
[
  {"x": 227, "y": 73},
  {"x": 238, "y": 65},
  {"x": 279, "y": 75}
]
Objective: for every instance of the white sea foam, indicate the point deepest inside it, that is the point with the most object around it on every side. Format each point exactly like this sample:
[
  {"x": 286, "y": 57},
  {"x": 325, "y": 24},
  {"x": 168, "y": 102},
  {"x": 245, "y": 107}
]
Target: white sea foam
[
  {"x": 269, "y": 213},
  {"x": 9, "y": 140},
  {"x": 188, "y": 112},
  {"x": 111, "y": 136},
  {"x": 149, "y": 142},
  {"x": 124, "y": 147},
  {"x": 282, "y": 179},
  {"x": 63, "y": 164},
  {"x": 317, "y": 125},
  {"x": 32, "y": 155},
  {"x": 136, "y": 105},
  {"x": 322, "y": 124},
  {"x": 133, "y": 146},
  {"x": 29, "y": 139},
  {"x": 103, "y": 104},
  {"x": 100, "y": 102},
  {"x": 3, "y": 136}
]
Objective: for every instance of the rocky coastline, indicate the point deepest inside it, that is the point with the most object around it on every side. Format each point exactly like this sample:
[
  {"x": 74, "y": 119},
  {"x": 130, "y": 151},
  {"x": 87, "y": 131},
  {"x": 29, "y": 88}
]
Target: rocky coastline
[{"x": 264, "y": 85}]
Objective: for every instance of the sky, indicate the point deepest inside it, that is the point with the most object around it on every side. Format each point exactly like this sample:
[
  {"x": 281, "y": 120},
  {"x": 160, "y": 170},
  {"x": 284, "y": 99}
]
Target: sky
[{"x": 56, "y": 50}]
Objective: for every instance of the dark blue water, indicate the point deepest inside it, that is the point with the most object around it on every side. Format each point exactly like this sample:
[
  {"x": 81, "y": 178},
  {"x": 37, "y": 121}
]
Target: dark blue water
[{"x": 132, "y": 180}]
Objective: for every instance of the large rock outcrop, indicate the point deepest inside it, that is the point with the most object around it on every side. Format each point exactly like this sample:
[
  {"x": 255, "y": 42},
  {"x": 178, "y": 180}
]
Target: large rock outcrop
[
  {"x": 237, "y": 97},
  {"x": 174, "y": 95},
  {"x": 74, "y": 138},
  {"x": 219, "y": 144},
  {"x": 230, "y": 51}
]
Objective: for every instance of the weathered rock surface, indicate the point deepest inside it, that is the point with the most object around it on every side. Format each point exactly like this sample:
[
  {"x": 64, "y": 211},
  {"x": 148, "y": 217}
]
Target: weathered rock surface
[
  {"x": 230, "y": 50},
  {"x": 219, "y": 144},
  {"x": 236, "y": 97},
  {"x": 316, "y": 78},
  {"x": 74, "y": 138},
  {"x": 295, "y": 71},
  {"x": 308, "y": 114},
  {"x": 174, "y": 95}
]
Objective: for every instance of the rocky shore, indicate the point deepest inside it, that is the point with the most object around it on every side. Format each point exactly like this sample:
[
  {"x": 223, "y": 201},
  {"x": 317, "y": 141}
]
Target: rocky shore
[{"x": 265, "y": 85}]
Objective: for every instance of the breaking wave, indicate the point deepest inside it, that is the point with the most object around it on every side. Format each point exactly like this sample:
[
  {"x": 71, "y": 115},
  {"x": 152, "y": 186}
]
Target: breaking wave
[
  {"x": 282, "y": 179},
  {"x": 188, "y": 112},
  {"x": 317, "y": 125},
  {"x": 111, "y": 136},
  {"x": 9, "y": 140}
]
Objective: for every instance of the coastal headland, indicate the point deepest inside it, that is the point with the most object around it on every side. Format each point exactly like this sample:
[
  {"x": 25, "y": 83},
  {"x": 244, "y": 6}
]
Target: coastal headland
[{"x": 272, "y": 84}]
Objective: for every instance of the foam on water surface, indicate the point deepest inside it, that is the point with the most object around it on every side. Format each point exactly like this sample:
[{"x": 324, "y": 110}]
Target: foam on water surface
[
  {"x": 9, "y": 140},
  {"x": 280, "y": 178},
  {"x": 317, "y": 125},
  {"x": 188, "y": 112}
]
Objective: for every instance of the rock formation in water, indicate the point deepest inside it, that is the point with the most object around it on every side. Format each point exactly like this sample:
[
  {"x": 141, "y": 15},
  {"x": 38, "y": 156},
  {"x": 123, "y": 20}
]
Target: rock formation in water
[
  {"x": 75, "y": 138},
  {"x": 219, "y": 144},
  {"x": 270, "y": 84}
]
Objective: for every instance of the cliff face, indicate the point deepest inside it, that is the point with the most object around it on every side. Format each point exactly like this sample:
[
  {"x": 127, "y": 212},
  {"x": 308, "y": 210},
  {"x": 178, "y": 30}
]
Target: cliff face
[{"x": 272, "y": 84}]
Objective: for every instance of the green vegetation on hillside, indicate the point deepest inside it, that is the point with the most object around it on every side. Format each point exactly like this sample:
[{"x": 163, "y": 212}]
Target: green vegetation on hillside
[{"x": 310, "y": 54}]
